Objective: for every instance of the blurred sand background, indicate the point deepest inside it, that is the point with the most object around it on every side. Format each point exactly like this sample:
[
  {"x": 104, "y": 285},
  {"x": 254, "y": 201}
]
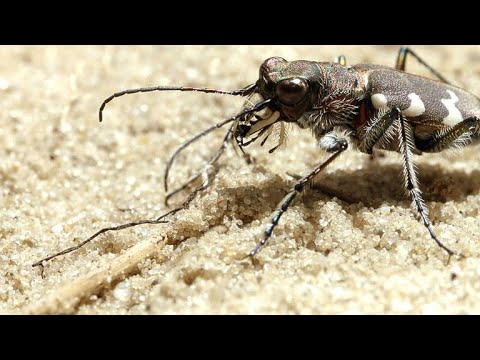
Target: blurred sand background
[{"x": 63, "y": 176}]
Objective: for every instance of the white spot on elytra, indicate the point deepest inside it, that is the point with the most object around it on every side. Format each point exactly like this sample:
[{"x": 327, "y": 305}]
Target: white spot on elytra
[
  {"x": 379, "y": 101},
  {"x": 416, "y": 107},
  {"x": 454, "y": 115}
]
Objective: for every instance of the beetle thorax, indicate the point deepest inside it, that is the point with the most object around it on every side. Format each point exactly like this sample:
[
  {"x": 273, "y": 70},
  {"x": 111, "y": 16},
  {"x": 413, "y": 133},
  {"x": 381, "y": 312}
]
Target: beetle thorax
[{"x": 338, "y": 100}]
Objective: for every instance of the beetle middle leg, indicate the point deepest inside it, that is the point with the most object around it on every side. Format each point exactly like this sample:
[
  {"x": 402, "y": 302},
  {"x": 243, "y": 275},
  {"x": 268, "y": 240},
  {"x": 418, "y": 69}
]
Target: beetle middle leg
[
  {"x": 402, "y": 58},
  {"x": 338, "y": 145},
  {"x": 377, "y": 131},
  {"x": 411, "y": 183}
]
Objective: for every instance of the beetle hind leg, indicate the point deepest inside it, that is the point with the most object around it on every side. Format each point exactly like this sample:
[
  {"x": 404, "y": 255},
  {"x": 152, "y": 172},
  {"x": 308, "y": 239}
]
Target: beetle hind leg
[
  {"x": 456, "y": 136},
  {"x": 402, "y": 58}
]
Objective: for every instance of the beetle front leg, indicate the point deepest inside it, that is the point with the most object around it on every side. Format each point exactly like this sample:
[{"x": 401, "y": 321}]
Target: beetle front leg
[
  {"x": 337, "y": 147},
  {"x": 377, "y": 129}
]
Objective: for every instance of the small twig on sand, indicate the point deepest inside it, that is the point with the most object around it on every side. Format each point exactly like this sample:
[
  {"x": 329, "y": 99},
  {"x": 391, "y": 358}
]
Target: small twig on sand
[{"x": 66, "y": 299}]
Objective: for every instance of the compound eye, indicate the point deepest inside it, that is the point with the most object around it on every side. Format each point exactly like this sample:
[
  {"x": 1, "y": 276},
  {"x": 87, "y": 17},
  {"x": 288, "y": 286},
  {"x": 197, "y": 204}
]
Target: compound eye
[
  {"x": 270, "y": 63},
  {"x": 291, "y": 91}
]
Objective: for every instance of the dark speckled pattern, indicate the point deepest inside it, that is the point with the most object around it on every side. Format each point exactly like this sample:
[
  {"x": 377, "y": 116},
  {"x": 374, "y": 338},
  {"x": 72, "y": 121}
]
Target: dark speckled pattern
[{"x": 396, "y": 85}]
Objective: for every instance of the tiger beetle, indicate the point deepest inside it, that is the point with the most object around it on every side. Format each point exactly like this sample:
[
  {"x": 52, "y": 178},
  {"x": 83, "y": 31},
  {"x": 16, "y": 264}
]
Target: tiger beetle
[{"x": 364, "y": 107}]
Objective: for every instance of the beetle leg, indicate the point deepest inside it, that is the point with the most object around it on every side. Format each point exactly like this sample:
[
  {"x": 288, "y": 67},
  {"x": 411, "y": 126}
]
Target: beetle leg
[
  {"x": 402, "y": 57},
  {"x": 411, "y": 183},
  {"x": 377, "y": 129},
  {"x": 337, "y": 147},
  {"x": 453, "y": 137}
]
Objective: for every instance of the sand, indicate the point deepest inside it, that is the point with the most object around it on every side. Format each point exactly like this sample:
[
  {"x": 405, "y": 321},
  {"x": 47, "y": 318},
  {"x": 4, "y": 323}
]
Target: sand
[{"x": 352, "y": 244}]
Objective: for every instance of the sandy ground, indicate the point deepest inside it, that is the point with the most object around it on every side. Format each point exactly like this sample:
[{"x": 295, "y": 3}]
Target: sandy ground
[{"x": 63, "y": 176}]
